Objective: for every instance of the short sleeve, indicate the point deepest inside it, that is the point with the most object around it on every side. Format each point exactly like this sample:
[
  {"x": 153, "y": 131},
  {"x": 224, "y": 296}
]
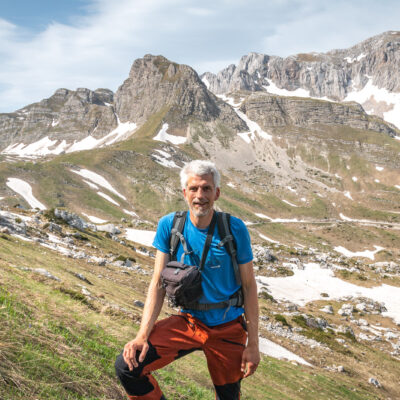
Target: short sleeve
[
  {"x": 161, "y": 240},
  {"x": 243, "y": 242}
]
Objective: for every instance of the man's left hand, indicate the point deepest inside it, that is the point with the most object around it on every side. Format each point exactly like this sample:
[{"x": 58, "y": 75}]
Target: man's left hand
[{"x": 250, "y": 360}]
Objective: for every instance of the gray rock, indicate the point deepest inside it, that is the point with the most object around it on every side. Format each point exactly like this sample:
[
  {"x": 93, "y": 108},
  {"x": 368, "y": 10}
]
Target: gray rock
[
  {"x": 346, "y": 310},
  {"x": 54, "y": 227},
  {"x": 262, "y": 254},
  {"x": 327, "y": 309},
  {"x": 46, "y": 273},
  {"x": 82, "y": 278},
  {"x": 138, "y": 303},
  {"x": 110, "y": 228},
  {"x": 375, "y": 382},
  {"x": 71, "y": 219}
]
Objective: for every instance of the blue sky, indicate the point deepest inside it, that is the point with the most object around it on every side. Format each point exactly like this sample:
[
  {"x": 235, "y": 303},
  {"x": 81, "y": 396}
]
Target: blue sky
[{"x": 48, "y": 44}]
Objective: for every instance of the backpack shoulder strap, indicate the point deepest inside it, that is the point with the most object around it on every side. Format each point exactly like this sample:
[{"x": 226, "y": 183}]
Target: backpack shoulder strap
[
  {"x": 178, "y": 224},
  {"x": 228, "y": 241}
]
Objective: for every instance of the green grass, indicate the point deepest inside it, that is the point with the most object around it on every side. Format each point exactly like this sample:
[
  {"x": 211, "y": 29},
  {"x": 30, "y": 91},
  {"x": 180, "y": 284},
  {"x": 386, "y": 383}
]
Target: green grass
[{"x": 56, "y": 344}]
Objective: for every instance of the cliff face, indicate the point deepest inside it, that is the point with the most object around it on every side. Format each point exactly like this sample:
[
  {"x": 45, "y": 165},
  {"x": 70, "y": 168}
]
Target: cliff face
[
  {"x": 191, "y": 108},
  {"x": 155, "y": 83},
  {"x": 335, "y": 74},
  {"x": 272, "y": 111},
  {"x": 67, "y": 115}
]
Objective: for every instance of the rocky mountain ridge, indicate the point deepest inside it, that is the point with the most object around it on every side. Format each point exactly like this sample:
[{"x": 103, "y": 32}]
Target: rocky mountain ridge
[
  {"x": 67, "y": 115},
  {"x": 333, "y": 75},
  {"x": 277, "y": 111}
]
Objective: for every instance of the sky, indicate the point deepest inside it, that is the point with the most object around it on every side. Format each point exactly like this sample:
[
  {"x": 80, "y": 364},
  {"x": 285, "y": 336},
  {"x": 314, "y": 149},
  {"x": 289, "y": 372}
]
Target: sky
[{"x": 47, "y": 44}]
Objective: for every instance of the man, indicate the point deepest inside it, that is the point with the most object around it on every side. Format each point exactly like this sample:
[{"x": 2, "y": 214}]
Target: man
[{"x": 231, "y": 352}]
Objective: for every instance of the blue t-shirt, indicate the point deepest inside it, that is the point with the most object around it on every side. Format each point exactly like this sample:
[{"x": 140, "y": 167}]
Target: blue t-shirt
[{"x": 218, "y": 276}]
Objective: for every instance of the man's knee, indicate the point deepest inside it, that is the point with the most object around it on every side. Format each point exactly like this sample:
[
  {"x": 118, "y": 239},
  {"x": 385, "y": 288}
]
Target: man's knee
[{"x": 122, "y": 368}]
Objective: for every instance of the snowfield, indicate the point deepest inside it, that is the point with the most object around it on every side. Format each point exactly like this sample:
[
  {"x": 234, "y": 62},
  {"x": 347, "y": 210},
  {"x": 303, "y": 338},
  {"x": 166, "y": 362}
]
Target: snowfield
[
  {"x": 140, "y": 236},
  {"x": 97, "y": 180},
  {"x": 46, "y": 146},
  {"x": 164, "y": 136},
  {"x": 24, "y": 189},
  {"x": 308, "y": 284}
]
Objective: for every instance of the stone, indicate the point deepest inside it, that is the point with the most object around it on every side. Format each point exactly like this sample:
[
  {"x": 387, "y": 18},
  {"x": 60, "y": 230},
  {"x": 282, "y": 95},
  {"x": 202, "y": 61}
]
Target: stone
[
  {"x": 346, "y": 310},
  {"x": 138, "y": 303},
  {"x": 327, "y": 309},
  {"x": 46, "y": 273},
  {"x": 375, "y": 382},
  {"x": 109, "y": 228}
]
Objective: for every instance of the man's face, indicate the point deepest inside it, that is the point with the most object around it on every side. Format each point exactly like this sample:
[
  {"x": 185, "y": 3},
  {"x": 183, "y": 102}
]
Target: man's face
[{"x": 200, "y": 194}]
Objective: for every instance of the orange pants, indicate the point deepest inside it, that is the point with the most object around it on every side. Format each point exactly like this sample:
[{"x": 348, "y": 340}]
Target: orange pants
[{"x": 178, "y": 335}]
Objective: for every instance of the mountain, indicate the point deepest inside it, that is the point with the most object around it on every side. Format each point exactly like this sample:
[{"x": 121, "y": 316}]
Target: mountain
[
  {"x": 85, "y": 176},
  {"x": 367, "y": 72}
]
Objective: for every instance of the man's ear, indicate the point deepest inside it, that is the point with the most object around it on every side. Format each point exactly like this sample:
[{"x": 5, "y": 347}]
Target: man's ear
[{"x": 217, "y": 193}]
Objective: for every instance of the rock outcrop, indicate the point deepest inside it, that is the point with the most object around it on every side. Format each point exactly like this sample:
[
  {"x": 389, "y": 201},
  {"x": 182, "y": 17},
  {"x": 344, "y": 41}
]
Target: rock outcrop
[
  {"x": 272, "y": 111},
  {"x": 155, "y": 83},
  {"x": 67, "y": 115},
  {"x": 331, "y": 74}
]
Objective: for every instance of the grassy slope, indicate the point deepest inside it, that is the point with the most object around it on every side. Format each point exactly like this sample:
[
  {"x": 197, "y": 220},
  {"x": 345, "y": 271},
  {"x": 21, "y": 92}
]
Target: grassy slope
[{"x": 57, "y": 344}]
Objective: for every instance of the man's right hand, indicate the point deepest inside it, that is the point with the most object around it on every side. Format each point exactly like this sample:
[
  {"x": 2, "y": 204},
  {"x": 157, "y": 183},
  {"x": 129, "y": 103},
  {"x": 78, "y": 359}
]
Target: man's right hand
[{"x": 130, "y": 350}]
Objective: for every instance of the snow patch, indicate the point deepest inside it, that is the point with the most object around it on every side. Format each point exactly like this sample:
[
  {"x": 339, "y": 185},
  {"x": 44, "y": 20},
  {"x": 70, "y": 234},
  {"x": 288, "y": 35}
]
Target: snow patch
[
  {"x": 131, "y": 213},
  {"x": 91, "y": 185},
  {"x": 46, "y": 146},
  {"x": 348, "y": 195},
  {"x": 366, "y": 253},
  {"x": 122, "y": 131},
  {"x": 24, "y": 189},
  {"x": 275, "y": 350},
  {"x": 254, "y": 128},
  {"x": 267, "y": 238},
  {"x": 272, "y": 88},
  {"x": 206, "y": 82},
  {"x": 162, "y": 159},
  {"x": 278, "y": 219},
  {"x": 39, "y": 148},
  {"x": 95, "y": 220},
  {"x": 290, "y": 204},
  {"x": 97, "y": 179},
  {"x": 379, "y": 95},
  {"x": 351, "y": 60},
  {"x": 344, "y": 218},
  {"x": 262, "y": 216},
  {"x": 107, "y": 197},
  {"x": 163, "y": 136},
  {"x": 305, "y": 286},
  {"x": 139, "y": 236}
]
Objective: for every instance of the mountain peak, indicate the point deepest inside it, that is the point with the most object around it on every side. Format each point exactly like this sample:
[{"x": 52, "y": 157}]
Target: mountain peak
[{"x": 156, "y": 83}]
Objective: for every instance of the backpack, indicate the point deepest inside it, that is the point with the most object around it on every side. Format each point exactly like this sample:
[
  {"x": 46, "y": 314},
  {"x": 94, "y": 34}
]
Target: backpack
[{"x": 222, "y": 220}]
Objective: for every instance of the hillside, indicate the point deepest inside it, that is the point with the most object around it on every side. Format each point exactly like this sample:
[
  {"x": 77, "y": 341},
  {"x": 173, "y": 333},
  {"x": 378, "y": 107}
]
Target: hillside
[{"x": 85, "y": 176}]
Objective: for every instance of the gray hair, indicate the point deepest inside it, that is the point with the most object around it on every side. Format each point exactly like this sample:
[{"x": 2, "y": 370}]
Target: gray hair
[{"x": 200, "y": 167}]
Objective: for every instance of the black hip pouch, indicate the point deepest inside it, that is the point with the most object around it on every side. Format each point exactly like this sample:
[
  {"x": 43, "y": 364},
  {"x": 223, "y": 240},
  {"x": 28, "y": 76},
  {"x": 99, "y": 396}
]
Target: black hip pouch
[{"x": 182, "y": 283}]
